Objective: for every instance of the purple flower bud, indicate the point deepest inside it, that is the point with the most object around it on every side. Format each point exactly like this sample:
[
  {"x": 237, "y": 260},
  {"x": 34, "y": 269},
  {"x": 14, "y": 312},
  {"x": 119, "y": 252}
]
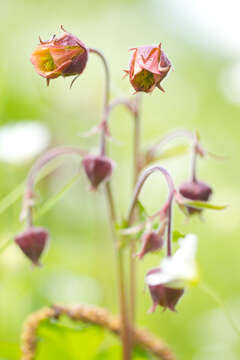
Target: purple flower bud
[
  {"x": 163, "y": 295},
  {"x": 98, "y": 168},
  {"x": 151, "y": 241},
  {"x": 195, "y": 190},
  {"x": 32, "y": 242}
]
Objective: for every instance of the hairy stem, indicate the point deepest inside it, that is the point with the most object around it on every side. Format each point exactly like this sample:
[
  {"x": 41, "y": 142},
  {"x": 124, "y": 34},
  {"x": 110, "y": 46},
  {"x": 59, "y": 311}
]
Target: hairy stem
[
  {"x": 88, "y": 315},
  {"x": 141, "y": 181},
  {"x": 34, "y": 171},
  {"x": 112, "y": 214},
  {"x": 106, "y": 98},
  {"x": 136, "y": 161},
  {"x": 159, "y": 144}
]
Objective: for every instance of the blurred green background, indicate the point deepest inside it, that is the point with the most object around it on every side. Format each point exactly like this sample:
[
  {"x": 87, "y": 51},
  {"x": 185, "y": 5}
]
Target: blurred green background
[{"x": 202, "y": 93}]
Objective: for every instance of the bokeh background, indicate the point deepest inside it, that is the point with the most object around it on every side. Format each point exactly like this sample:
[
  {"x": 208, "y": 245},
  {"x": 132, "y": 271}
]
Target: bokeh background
[{"x": 203, "y": 93}]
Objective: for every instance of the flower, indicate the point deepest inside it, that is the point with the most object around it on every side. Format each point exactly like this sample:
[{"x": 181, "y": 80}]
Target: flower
[
  {"x": 32, "y": 242},
  {"x": 98, "y": 168},
  {"x": 166, "y": 283},
  {"x": 195, "y": 190},
  {"x": 151, "y": 241},
  {"x": 148, "y": 66},
  {"x": 63, "y": 56},
  {"x": 22, "y": 141}
]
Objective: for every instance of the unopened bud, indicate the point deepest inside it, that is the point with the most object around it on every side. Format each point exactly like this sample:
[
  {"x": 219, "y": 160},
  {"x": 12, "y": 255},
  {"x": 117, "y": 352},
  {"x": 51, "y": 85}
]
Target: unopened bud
[
  {"x": 63, "y": 56},
  {"x": 98, "y": 168},
  {"x": 32, "y": 242},
  {"x": 195, "y": 190},
  {"x": 151, "y": 241},
  {"x": 148, "y": 66}
]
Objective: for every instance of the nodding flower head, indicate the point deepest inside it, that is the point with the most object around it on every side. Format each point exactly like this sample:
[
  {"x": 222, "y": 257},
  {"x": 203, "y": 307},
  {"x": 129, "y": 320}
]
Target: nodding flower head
[
  {"x": 195, "y": 190},
  {"x": 167, "y": 282},
  {"x": 151, "y": 241},
  {"x": 61, "y": 56},
  {"x": 98, "y": 168},
  {"x": 32, "y": 242},
  {"x": 148, "y": 66},
  {"x": 163, "y": 295}
]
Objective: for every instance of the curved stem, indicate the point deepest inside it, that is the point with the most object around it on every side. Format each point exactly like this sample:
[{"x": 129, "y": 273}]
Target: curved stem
[
  {"x": 38, "y": 165},
  {"x": 46, "y": 157},
  {"x": 142, "y": 179},
  {"x": 106, "y": 98},
  {"x": 112, "y": 214},
  {"x": 165, "y": 140}
]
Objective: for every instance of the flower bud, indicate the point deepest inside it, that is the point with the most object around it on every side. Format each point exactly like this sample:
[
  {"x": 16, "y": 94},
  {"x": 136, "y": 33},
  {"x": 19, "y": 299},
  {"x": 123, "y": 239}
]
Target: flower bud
[
  {"x": 148, "y": 66},
  {"x": 63, "y": 56},
  {"x": 151, "y": 241},
  {"x": 98, "y": 168},
  {"x": 195, "y": 190},
  {"x": 32, "y": 242},
  {"x": 162, "y": 295}
]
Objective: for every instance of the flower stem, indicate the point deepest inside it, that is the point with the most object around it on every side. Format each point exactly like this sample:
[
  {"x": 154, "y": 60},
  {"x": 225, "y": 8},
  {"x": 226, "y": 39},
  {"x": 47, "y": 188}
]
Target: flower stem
[
  {"x": 34, "y": 171},
  {"x": 106, "y": 98},
  {"x": 112, "y": 214},
  {"x": 136, "y": 161},
  {"x": 143, "y": 177}
]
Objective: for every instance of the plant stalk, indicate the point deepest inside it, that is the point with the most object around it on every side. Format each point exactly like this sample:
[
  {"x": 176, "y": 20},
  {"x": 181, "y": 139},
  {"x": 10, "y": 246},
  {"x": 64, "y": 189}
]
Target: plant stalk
[{"x": 112, "y": 214}]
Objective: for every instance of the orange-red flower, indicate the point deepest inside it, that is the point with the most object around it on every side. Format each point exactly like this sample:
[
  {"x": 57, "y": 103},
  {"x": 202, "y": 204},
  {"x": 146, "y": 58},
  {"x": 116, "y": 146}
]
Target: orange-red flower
[
  {"x": 148, "y": 66},
  {"x": 63, "y": 56}
]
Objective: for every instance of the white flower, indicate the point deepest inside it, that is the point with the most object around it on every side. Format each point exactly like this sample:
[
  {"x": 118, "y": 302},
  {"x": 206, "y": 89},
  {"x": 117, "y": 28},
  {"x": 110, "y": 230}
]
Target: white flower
[
  {"x": 179, "y": 269},
  {"x": 22, "y": 141}
]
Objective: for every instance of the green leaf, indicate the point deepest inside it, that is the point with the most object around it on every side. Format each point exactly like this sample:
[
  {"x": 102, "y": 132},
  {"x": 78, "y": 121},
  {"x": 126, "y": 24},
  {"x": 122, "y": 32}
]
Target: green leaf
[
  {"x": 115, "y": 353},
  {"x": 204, "y": 205},
  {"x": 176, "y": 235},
  {"x": 142, "y": 211},
  {"x": 58, "y": 341}
]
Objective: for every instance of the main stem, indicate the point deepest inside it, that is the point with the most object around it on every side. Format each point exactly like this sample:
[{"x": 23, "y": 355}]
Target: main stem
[
  {"x": 132, "y": 260},
  {"x": 112, "y": 213}
]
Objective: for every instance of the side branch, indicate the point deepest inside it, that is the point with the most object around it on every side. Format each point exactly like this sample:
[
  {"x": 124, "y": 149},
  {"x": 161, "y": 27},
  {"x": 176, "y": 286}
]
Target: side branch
[{"x": 91, "y": 315}]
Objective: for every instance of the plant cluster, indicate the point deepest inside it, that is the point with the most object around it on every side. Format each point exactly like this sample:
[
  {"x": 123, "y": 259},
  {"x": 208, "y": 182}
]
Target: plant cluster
[{"x": 66, "y": 55}]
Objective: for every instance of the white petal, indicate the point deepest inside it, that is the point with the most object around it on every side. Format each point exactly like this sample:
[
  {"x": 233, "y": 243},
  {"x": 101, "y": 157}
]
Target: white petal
[{"x": 179, "y": 268}]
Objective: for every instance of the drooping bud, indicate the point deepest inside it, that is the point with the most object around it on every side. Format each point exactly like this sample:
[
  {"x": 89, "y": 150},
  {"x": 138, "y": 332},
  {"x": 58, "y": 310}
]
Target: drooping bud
[
  {"x": 63, "y": 56},
  {"x": 151, "y": 241},
  {"x": 162, "y": 295},
  {"x": 32, "y": 242},
  {"x": 195, "y": 190},
  {"x": 98, "y": 168},
  {"x": 148, "y": 66}
]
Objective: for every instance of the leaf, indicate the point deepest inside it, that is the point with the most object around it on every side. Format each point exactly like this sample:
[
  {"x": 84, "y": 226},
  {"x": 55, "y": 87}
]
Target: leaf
[
  {"x": 58, "y": 341},
  {"x": 176, "y": 235},
  {"x": 204, "y": 205},
  {"x": 142, "y": 211},
  {"x": 115, "y": 353}
]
